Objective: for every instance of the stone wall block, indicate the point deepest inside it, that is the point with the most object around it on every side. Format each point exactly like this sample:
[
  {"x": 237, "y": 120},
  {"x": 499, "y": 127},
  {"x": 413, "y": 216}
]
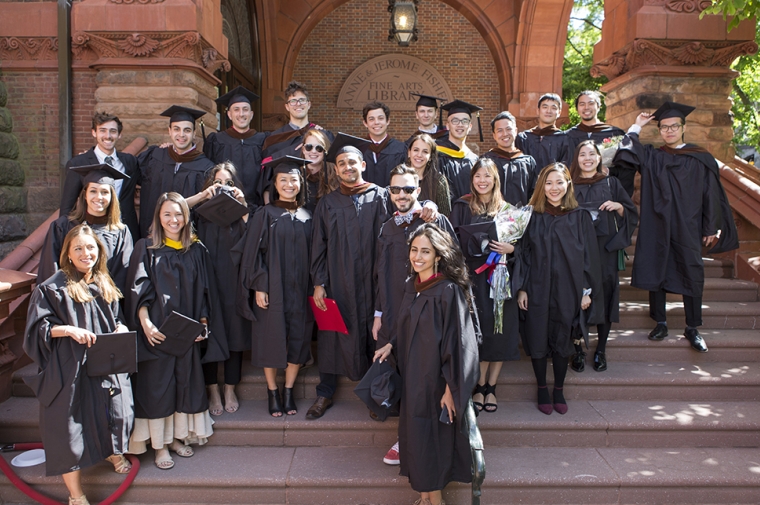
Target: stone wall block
[
  {"x": 720, "y": 102},
  {"x": 12, "y": 227},
  {"x": 701, "y": 117},
  {"x": 12, "y": 199},
  {"x": 11, "y": 173},
  {"x": 117, "y": 94},
  {"x": 46, "y": 199},
  {"x": 8, "y": 146},
  {"x": 6, "y": 120},
  {"x": 3, "y": 94}
]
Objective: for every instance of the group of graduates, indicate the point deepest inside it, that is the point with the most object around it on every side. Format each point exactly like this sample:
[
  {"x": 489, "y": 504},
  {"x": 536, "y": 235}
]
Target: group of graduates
[{"x": 238, "y": 236}]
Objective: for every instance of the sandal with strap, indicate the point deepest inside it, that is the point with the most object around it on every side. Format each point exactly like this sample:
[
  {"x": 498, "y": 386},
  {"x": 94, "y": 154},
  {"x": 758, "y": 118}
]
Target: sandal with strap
[
  {"x": 120, "y": 463},
  {"x": 490, "y": 390},
  {"x": 165, "y": 463},
  {"x": 479, "y": 390},
  {"x": 82, "y": 500},
  {"x": 182, "y": 450}
]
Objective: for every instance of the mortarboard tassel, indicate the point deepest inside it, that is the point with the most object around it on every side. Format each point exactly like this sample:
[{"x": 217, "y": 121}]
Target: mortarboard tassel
[{"x": 480, "y": 130}]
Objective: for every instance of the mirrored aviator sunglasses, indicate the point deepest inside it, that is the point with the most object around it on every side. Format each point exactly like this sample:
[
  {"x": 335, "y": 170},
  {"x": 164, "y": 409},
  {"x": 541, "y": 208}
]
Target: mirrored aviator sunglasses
[
  {"x": 309, "y": 147},
  {"x": 395, "y": 190}
]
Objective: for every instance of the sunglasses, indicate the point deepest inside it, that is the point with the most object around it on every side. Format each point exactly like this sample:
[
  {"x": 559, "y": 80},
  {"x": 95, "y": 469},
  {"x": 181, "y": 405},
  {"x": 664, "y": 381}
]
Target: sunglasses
[
  {"x": 229, "y": 183},
  {"x": 395, "y": 190},
  {"x": 309, "y": 147}
]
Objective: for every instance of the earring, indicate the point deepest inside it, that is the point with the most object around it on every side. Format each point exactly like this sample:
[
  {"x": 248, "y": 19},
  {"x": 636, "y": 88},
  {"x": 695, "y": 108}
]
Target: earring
[{"x": 435, "y": 268}]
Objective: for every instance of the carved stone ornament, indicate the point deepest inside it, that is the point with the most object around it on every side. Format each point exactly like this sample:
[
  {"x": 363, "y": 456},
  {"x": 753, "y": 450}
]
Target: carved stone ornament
[
  {"x": 643, "y": 52},
  {"x": 88, "y": 46},
  {"x": 687, "y": 6},
  {"x": 28, "y": 48}
]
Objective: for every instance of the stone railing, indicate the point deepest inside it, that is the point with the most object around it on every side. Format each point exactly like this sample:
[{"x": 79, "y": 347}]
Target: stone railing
[{"x": 742, "y": 183}]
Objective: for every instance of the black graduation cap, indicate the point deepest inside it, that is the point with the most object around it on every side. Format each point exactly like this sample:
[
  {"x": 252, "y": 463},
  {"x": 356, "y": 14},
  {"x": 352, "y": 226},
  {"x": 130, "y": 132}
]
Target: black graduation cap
[
  {"x": 112, "y": 353},
  {"x": 344, "y": 140},
  {"x": 458, "y": 106},
  {"x": 180, "y": 331},
  {"x": 101, "y": 173},
  {"x": 287, "y": 165},
  {"x": 430, "y": 101},
  {"x": 237, "y": 95},
  {"x": 177, "y": 113},
  {"x": 673, "y": 109},
  {"x": 380, "y": 388},
  {"x": 474, "y": 238},
  {"x": 223, "y": 209}
]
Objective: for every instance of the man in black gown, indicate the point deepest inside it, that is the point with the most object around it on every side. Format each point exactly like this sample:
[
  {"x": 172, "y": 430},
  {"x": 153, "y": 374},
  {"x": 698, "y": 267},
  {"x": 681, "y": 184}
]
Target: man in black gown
[
  {"x": 239, "y": 143},
  {"x": 683, "y": 206},
  {"x": 180, "y": 167},
  {"x": 588, "y": 103},
  {"x": 383, "y": 153},
  {"x": 106, "y": 130},
  {"x": 545, "y": 142},
  {"x": 426, "y": 111},
  {"x": 517, "y": 170},
  {"x": 455, "y": 159}
]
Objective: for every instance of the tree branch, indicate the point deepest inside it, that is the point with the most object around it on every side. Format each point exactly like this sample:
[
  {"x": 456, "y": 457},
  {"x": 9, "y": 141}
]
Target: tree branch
[{"x": 587, "y": 21}]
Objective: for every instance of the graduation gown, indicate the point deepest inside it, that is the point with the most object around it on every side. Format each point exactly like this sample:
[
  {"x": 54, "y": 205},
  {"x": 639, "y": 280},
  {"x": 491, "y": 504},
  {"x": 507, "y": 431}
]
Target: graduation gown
[
  {"x": 545, "y": 149},
  {"x": 83, "y": 419},
  {"x": 343, "y": 261},
  {"x": 599, "y": 133},
  {"x": 393, "y": 268},
  {"x": 166, "y": 280},
  {"x": 118, "y": 245},
  {"x": 455, "y": 165},
  {"x": 245, "y": 154},
  {"x": 72, "y": 186},
  {"x": 682, "y": 200},
  {"x": 379, "y": 165},
  {"x": 161, "y": 174},
  {"x": 436, "y": 345},
  {"x": 275, "y": 260},
  {"x": 518, "y": 176},
  {"x": 558, "y": 260},
  {"x": 440, "y": 194},
  {"x": 504, "y": 346},
  {"x": 220, "y": 242},
  {"x": 613, "y": 233}
]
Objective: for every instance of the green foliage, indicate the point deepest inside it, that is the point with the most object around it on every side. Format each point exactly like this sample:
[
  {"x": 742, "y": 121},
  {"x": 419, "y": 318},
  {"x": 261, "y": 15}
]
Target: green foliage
[
  {"x": 584, "y": 30},
  {"x": 746, "y": 97},
  {"x": 739, "y": 10}
]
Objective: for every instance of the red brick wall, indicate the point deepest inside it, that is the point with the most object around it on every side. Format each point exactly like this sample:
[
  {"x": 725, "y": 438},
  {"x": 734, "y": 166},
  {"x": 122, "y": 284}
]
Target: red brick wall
[{"x": 358, "y": 31}]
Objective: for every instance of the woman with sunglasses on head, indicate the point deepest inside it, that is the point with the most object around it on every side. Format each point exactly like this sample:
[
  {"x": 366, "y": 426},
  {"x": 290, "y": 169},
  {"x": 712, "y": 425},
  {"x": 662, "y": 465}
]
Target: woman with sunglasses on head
[
  {"x": 559, "y": 281},
  {"x": 616, "y": 221},
  {"x": 220, "y": 241},
  {"x": 320, "y": 175},
  {"x": 481, "y": 206},
  {"x": 171, "y": 271},
  {"x": 83, "y": 419},
  {"x": 423, "y": 157},
  {"x": 277, "y": 283}
]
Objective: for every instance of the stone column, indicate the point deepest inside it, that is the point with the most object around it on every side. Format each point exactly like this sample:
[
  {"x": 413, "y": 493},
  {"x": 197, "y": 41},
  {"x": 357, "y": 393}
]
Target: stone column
[{"x": 662, "y": 51}]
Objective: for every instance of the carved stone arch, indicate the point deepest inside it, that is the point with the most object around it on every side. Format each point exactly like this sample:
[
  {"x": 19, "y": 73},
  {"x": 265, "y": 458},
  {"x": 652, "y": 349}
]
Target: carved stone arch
[{"x": 481, "y": 20}]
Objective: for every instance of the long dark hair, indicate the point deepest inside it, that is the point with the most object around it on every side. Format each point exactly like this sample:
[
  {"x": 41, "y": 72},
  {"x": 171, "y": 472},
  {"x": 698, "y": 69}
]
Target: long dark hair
[
  {"x": 575, "y": 167},
  {"x": 430, "y": 174},
  {"x": 75, "y": 283},
  {"x": 496, "y": 201},
  {"x": 451, "y": 264},
  {"x": 228, "y": 167},
  {"x": 539, "y": 201},
  {"x": 113, "y": 212}
]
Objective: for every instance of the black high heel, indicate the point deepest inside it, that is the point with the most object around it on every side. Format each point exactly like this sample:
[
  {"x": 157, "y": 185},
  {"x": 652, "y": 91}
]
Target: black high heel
[
  {"x": 479, "y": 390},
  {"x": 275, "y": 403},
  {"x": 289, "y": 403},
  {"x": 490, "y": 390}
]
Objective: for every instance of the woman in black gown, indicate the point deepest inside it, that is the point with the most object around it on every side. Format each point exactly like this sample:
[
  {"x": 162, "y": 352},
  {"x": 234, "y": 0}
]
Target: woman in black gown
[
  {"x": 83, "y": 419},
  {"x": 320, "y": 175},
  {"x": 423, "y": 158},
  {"x": 481, "y": 206},
  {"x": 437, "y": 350},
  {"x": 615, "y": 223},
  {"x": 559, "y": 284}
]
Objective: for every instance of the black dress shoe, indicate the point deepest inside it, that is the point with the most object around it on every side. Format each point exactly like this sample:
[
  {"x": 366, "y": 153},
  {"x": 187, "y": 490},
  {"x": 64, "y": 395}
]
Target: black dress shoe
[
  {"x": 659, "y": 333},
  {"x": 695, "y": 339},
  {"x": 579, "y": 362},
  {"x": 600, "y": 361}
]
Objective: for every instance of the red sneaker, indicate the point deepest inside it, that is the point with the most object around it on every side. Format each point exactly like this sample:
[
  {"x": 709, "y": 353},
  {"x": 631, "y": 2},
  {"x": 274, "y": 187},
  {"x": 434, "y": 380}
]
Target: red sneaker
[{"x": 391, "y": 457}]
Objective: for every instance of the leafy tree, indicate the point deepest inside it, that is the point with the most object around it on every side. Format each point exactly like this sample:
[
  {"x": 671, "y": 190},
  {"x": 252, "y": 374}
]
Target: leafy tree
[{"x": 739, "y": 10}]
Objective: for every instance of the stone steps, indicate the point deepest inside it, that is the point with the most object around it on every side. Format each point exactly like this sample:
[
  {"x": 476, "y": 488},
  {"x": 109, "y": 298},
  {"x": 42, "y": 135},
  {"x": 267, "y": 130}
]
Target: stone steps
[
  {"x": 716, "y": 289},
  {"x": 356, "y": 475},
  {"x": 714, "y": 267}
]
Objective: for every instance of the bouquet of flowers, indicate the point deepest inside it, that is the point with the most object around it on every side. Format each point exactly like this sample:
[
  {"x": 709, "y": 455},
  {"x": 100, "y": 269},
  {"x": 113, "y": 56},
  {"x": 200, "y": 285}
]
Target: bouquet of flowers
[
  {"x": 609, "y": 147},
  {"x": 511, "y": 223}
]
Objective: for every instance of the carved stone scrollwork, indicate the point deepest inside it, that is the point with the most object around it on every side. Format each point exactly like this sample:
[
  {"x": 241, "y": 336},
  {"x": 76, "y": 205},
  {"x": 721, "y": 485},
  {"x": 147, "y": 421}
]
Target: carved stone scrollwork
[
  {"x": 671, "y": 53},
  {"x": 28, "y": 48},
  {"x": 687, "y": 6},
  {"x": 137, "y": 45},
  {"x": 212, "y": 63}
]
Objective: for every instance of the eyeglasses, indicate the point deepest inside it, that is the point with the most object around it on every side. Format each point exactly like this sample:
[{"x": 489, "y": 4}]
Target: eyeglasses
[
  {"x": 309, "y": 147},
  {"x": 457, "y": 122},
  {"x": 670, "y": 128},
  {"x": 298, "y": 101},
  {"x": 395, "y": 190},
  {"x": 229, "y": 182}
]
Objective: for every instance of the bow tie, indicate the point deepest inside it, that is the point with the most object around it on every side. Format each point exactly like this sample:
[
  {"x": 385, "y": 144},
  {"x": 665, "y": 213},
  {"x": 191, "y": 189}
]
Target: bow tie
[{"x": 405, "y": 219}]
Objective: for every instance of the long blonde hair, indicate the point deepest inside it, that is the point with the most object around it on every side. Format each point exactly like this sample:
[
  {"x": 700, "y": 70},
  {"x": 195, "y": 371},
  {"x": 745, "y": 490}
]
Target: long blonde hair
[
  {"x": 113, "y": 212},
  {"x": 538, "y": 200},
  {"x": 157, "y": 235},
  {"x": 494, "y": 205},
  {"x": 75, "y": 282}
]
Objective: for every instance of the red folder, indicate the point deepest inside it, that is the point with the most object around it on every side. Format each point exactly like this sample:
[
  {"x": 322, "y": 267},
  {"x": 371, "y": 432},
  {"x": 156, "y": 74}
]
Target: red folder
[{"x": 330, "y": 319}]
